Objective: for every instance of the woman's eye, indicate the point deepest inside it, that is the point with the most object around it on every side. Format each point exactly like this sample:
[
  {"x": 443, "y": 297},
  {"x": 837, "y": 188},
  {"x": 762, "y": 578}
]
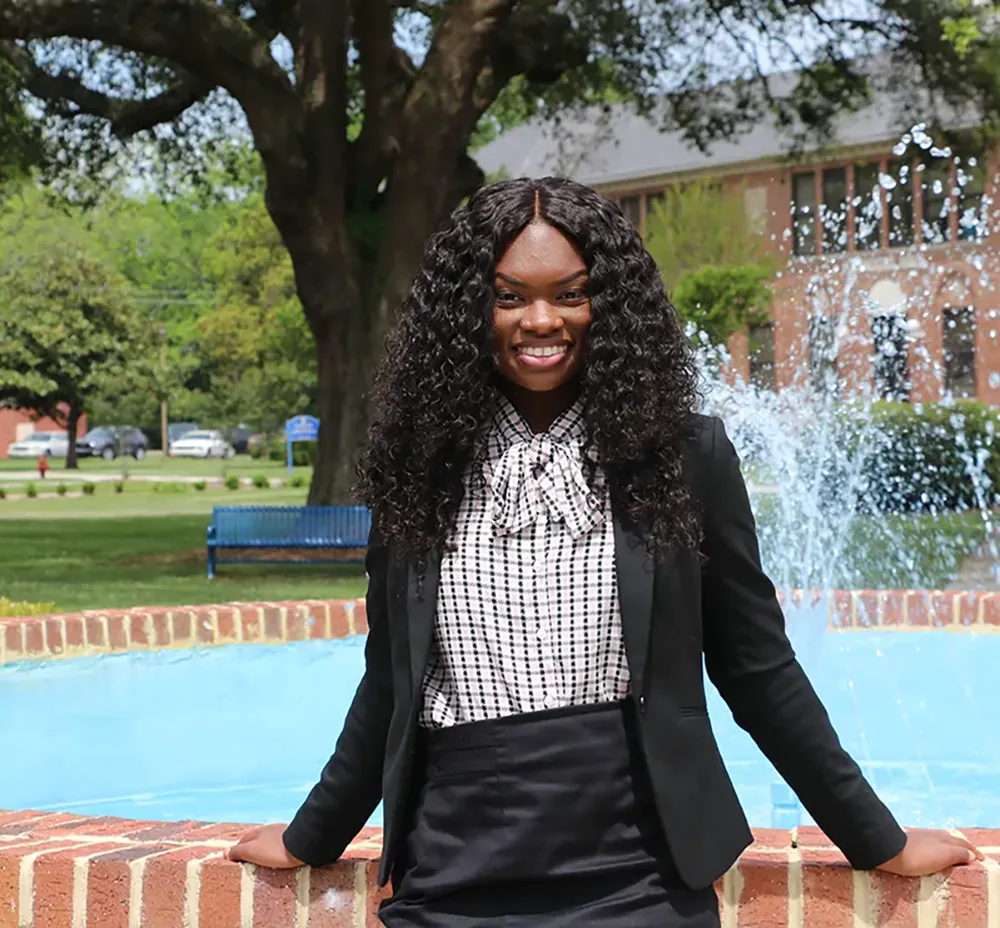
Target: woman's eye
[
  {"x": 505, "y": 296},
  {"x": 574, "y": 296}
]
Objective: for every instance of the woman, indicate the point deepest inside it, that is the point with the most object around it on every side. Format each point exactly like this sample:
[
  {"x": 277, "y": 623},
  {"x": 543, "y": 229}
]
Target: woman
[{"x": 558, "y": 540}]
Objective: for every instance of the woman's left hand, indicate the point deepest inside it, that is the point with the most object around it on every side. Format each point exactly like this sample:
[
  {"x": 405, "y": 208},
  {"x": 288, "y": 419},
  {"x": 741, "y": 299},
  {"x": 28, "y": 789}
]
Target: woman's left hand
[{"x": 928, "y": 852}]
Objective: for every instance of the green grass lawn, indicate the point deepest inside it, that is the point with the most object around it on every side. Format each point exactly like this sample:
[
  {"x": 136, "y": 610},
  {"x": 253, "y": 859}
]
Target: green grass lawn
[
  {"x": 145, "y": 548},
  {"x": 120, "y": 561},
  {"x": 155, "y": 464}
]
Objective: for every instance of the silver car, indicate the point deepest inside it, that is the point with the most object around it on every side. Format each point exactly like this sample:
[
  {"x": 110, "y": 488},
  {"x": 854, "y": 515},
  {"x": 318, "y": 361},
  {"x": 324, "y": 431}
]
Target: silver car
[{"x": 40, "y": 444}]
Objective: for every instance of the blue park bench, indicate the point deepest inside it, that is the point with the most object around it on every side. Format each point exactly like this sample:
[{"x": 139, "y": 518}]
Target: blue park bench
[{"x": 249, "y": 531}]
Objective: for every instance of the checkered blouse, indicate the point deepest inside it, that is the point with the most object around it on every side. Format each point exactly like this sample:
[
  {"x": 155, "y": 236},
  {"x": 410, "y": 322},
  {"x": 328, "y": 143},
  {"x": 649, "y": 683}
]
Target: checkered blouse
[{"x": 527, "y": 611}]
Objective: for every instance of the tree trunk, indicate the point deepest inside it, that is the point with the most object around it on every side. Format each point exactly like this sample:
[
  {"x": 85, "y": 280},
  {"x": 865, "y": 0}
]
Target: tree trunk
[{"x": 72, "y": 422}]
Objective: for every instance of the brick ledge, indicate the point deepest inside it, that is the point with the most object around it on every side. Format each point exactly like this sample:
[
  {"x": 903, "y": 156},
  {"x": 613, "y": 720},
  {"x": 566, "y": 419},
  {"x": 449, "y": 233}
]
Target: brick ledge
[{"x": 57, "y": 868}]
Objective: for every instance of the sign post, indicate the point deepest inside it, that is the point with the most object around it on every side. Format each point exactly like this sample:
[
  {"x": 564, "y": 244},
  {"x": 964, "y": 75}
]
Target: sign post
[{"x": 300, "y": 428}]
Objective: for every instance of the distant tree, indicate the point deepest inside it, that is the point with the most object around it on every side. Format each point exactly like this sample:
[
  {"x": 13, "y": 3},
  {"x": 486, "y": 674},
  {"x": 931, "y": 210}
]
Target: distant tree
[
  {"x": 363, "y": 111},
  {"x": 721, "y": 301},
  {"x": 68, "y": 330}
]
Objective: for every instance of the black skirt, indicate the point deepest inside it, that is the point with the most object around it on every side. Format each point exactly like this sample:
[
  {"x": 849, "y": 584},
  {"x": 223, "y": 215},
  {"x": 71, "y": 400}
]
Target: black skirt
[{"x": 540, "y": 819}]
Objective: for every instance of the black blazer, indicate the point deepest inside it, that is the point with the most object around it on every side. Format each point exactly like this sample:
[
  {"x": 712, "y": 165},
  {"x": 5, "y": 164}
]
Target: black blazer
[{"x": 673, "y": 612}]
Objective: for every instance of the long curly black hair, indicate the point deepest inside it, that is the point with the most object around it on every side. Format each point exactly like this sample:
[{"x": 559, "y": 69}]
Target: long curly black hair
[{"x": 435, "y": 390}]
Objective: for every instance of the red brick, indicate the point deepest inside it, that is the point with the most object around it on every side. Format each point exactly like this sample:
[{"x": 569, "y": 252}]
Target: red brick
[
  {"x": 893, "y": 604},
  {"x": 941, "y": 608},
  {"x": 109, "y": 884},
  {"x": 203, "y": 626},
  {"x": 771, "y": 838},
  {"x": 320, "y": 614},
  {"x": 272, "y": 621},
  {"x": 54, "y": 885},
  {"x": 990, "y": 606},
  {"x": 55, "y": 636},
  {"x": 219, "y": 903},
  {"x": 12, "y": 640},
  {"x": 869, "y": 608},
  {"x": 375, "y": 894},
  {"x": 164, "y": 882},
  {"x": 764, "y": 895},
  {"x": 298, "y": 623},
  {"x": 968, "y": 603},
  {"x": 827, "y": 891},
  {"x": 74, "y": 631},
  {"x": 982, "y": 837},
  {"x": 226, "y": 623},
  {"x": 34, "y": 641},
  {"x": 182, "y": 626},
  {"x": 361, "y": 617},
  {"x": 339, "y": 625},
  {"x": 811, "y": 837},
  {"x": 96, "y": 636},
  {"x": 139, "y": 629},
  {"x": 894, "y": 900},
  {"x": 117, "y": 635},
  {"x": 274, "y": 893},
  {"x": 332, "y": 901},
  {"x": 965, "y": 904},
  {"x": 253, "y": 626},
  {"x": 918, "y": 609},
  {"x": 161, "y": 629}
]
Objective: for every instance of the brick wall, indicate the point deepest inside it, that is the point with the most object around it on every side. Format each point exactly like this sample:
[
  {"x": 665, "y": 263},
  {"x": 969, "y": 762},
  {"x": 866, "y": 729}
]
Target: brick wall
[{"x": 14, "y": 422}]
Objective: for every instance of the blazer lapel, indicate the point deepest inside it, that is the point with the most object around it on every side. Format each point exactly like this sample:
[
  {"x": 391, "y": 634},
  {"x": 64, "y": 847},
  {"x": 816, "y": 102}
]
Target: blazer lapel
[
  {"x": 421, "y": 600},
  {"x": 635, "y": 597}
]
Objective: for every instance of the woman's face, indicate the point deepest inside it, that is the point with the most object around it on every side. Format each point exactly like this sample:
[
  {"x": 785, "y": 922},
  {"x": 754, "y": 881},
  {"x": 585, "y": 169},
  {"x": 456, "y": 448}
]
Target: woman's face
[{"x": 542, "y": 310}]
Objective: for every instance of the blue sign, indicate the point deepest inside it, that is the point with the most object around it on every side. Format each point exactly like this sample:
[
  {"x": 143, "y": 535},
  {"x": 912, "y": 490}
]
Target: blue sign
[{"x": 300, "y": 428}]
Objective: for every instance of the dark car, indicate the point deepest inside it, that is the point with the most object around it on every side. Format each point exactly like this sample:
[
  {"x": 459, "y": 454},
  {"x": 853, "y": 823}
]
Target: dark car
[
  {"x": 109, "y": 441},
  {"x": 239, "y": 438}
]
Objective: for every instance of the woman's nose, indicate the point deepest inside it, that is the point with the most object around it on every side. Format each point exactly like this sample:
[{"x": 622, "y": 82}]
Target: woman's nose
[{"x": 541, "y": 316}]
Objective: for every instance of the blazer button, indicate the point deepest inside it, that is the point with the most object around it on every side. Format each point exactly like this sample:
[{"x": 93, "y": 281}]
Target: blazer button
[{"x": 642, "y": 705}]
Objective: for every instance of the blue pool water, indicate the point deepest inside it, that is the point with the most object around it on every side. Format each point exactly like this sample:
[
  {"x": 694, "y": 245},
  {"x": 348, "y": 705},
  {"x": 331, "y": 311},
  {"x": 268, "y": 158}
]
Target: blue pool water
[{"x": 239, "y": 733}]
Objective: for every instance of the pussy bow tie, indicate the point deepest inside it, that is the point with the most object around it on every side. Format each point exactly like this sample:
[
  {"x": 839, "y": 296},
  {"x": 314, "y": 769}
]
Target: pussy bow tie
[{"x": 542, "y": 476}]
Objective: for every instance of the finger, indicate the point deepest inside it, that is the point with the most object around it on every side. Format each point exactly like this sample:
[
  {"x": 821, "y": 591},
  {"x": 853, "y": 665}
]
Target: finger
[
  {"x": 238, "y": 852},
  {"x": 968, "y": 846}
]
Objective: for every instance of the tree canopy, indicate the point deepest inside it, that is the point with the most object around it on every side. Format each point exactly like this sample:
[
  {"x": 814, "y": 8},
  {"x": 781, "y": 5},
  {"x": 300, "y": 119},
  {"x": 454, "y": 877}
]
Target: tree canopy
[{"x": 362, "y": 113}]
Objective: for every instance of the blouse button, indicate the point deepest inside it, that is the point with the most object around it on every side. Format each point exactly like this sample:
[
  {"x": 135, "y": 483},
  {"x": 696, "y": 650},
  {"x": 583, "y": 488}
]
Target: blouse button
[
  {"x": 642, "y": 705},
  {"x": 549, "y": 701}
]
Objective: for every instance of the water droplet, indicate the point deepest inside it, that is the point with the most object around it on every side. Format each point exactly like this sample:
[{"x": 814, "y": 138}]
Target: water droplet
[{"x": 886, "y": 182}]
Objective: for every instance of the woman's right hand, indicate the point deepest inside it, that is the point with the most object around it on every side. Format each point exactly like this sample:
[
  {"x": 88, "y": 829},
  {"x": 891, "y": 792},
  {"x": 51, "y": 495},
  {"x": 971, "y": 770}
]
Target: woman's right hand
[{"x": 264, "y": 846}]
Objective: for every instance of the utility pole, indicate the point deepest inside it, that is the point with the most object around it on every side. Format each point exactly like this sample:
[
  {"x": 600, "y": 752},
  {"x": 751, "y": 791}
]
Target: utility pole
[{"x": 164, "y": 426}]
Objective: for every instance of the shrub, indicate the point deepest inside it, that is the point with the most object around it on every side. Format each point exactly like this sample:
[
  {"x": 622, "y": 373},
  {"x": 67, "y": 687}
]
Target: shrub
[
  {"x": 31, "y": 491},
  {"x": 170, "y": 486},
  {"x": 3, "y": 493},
  {"x": 297, "y": 482},
  {"x": 261, "y": 482},
  {"x": 89, "y": 488},
  {"x": 61, "y": 489},
  {"x": 232, "y": 482},
  {"x": 199, "y": 485},
  {"x": 256, "y": 452},
  {"x": 13, "y": 610},
  {"x": 303, "y": 452},
  {"x": 119, "y": 486},
  {"x": 922, "y": 458}
]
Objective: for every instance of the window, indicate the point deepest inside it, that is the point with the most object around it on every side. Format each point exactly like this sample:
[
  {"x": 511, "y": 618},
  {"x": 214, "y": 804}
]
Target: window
[
  {"x": 890, "y": 344},
  {"x": 867, "y": 207},
  {"x": 822, "y": 354},
  {"x": 834, "y": 210},
  {"x": 898, "y": 183},
  {"x": 960, "y": 351},
  {"x": 761, "y": 339},
  {"x": 935, "y": 186},
  {"x": 630, "y": 207},
  {"x": 804, "y": 214},
  {"x": 971, "y": 203}
]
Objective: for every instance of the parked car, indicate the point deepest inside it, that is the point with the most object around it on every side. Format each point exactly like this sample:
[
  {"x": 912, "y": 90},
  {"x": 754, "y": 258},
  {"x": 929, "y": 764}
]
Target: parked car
[
  {"x": 108, "y": 441},
  {"x": 202, "y": 444},
  {"x": 178, "y": 430},
  {"x": 40, "y": 444}
]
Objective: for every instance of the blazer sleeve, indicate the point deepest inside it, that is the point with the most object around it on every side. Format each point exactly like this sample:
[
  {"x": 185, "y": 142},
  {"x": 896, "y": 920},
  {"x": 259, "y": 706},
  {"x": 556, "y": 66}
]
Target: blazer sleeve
[
  {"x": 751, "y": 662},
  {"x": 350, "y": 786}
]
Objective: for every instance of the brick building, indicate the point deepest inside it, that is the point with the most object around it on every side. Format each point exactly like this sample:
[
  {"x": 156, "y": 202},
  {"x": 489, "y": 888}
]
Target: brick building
[
  {"x": 889, "y": 249},
  {"x": 16, "y": 424}
]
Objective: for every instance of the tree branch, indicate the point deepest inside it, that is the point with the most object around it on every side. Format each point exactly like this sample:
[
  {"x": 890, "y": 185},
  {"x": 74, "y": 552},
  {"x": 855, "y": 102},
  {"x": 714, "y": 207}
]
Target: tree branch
[
  {"x": 201, "y": 37},
  {"x": 127, "y": 117}
]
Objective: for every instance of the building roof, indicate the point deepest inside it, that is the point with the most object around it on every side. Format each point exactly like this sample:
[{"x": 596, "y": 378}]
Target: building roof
[{"x": 621, "y": 146}]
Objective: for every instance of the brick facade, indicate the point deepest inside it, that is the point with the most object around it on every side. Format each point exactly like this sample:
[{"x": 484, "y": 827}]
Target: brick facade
[{"x": 16, "y": 424}]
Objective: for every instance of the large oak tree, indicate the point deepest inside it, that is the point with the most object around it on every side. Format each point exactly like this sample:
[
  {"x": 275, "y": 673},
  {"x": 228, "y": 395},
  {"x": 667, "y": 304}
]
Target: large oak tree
[{"x": 362, "y": 110}]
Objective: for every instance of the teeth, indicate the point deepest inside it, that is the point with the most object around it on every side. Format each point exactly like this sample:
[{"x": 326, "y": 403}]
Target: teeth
[{"x": 544, "y": 352}]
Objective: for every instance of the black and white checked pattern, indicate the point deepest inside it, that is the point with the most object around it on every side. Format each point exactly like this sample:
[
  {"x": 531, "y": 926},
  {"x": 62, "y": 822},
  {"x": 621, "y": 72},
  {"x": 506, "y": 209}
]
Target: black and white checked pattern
[{"x": 527, "y": 610}]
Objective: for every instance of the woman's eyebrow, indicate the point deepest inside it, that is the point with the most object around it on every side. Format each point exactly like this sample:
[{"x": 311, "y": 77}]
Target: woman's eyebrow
[{"x": 557, "y": 283}]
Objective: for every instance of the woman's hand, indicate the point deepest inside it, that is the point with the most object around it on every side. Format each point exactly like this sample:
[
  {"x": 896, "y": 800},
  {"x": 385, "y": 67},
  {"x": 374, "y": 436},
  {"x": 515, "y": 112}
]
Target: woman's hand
[
  {"x": 928, "y": 852},
  {"x": 264, "y": 846}
]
